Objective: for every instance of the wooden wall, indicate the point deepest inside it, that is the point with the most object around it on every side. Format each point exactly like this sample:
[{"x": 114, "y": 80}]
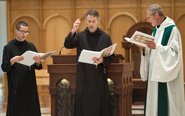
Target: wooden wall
[{"x": 51, "y": 20}]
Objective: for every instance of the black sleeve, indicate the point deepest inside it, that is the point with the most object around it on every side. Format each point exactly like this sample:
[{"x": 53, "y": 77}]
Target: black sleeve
[
  {"x": 71, "y": 41},
  {"x": 108, "y": 60},
  {"x": 38, "y": 66},
  {"x": 6, "y": 65}
]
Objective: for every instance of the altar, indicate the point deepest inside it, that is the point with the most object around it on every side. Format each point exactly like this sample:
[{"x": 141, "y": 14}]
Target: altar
[{"x": 64, "y": 67}]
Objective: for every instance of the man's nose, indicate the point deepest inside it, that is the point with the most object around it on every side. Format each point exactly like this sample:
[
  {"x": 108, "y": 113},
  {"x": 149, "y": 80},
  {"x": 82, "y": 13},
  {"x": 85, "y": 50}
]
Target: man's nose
[{"x": 91, "y": 23}]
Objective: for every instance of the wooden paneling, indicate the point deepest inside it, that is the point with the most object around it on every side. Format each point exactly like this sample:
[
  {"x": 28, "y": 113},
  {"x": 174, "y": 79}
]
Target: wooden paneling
[{"x": 51, "y": 20}]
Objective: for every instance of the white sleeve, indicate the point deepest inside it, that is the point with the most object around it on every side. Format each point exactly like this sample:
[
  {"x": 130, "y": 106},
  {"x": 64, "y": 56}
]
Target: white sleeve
[
  {"x": 144, "y": 66},
  {"x": 168, "y": 59}
]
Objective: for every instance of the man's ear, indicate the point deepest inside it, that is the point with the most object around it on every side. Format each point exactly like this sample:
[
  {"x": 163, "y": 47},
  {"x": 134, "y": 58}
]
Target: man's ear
[
  {"x": 157, "y": 15},
  {"x": 16, "y": 30},
  {"x": 86, "y": 21},
  {"x": 98, "y": 20}
]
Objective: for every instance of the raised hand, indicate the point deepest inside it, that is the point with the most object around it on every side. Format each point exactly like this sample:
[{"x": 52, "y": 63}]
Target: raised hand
[{"x": 76, "y": 26}]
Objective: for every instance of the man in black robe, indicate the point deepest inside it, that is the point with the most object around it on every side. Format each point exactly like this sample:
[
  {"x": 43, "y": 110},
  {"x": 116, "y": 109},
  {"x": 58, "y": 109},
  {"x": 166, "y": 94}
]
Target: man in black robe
[
  {"x": 92, "y": 94},
  {"x": 22, "y": 89}
]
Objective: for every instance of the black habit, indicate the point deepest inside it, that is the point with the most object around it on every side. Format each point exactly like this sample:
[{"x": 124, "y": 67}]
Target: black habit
[
  {"x": 92, "y": 94},
  {"x": 22, "y": 89}
]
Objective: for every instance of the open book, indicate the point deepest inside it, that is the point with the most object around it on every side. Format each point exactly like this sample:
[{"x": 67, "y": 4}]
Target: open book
[
  {"x": 87, "y": 55},
  {"x": 28, "y": 57},
  {"x": 139, "y": 38}
]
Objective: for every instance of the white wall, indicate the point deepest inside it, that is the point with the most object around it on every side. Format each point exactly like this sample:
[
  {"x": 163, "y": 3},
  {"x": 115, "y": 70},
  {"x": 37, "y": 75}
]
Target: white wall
[
  {"x": 3, "y": 38},
  {"x": 3, "y": 29}
]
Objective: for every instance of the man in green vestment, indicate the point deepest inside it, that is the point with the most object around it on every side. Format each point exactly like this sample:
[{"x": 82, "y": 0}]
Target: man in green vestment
[{"x": 162, "y": 67}]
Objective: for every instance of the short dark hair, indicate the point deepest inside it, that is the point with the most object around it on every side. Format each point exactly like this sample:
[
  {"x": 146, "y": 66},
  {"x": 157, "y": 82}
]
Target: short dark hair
[
  {"x": 93, "y": 13},
  {"x": 155, "y": 8},
  {"x": 18, "y": 26}
]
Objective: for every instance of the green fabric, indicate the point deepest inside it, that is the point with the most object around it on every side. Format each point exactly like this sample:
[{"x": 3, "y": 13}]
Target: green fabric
[
  {"x": 166, "y": 35},
  {"x": 162, "y": 87},
  {"x": 162, "y": 99},
  {"x": 154, "y": 31}
]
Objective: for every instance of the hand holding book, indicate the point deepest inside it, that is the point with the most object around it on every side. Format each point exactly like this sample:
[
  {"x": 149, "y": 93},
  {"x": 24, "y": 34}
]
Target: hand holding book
[
  {"x": 140, "y": 38},
  {"x": 94, "y": 57},
  {"x": 97, "y": 60},
  {"x": 151, "y": 44},
  {"x": 37, "y": 59},
  {"x": 30, "y": 57}
]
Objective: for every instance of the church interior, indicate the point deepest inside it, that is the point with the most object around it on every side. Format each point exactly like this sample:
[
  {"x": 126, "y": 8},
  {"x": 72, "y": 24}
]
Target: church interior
[{"x": 50, "y": 21}]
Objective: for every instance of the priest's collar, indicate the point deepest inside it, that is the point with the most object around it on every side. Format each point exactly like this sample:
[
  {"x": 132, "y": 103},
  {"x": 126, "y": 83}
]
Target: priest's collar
[
  {"x": 98, "y": 31},
  {"x": 20, "y": 42}
]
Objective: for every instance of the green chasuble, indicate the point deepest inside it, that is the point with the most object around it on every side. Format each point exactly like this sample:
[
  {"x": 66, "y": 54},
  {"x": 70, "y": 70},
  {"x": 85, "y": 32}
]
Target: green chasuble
[{"x": 162, "y": 68}]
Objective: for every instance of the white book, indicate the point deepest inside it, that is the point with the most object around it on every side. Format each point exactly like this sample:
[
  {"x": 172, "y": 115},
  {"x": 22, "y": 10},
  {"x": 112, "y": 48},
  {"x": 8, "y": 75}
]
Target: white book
[
  {"x": 28, "y": 57},
  {"x": 87, "y": 55},
  {"x": 139, "y": 38}
]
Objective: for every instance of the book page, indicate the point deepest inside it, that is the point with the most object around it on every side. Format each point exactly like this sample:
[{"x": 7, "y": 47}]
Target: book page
[
  {"x": 139, "y": 38},
  {"x": 28, "y": 57},
  {"x": 86, "y": 56},
  {"x": 108, "y": 51},
  {"x": 135, "y": 42},
  {"x": 46, "y": 55}
]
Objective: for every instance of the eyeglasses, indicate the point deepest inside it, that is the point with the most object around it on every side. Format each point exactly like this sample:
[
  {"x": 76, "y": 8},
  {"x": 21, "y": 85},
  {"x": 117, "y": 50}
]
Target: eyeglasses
[{"x": 24, "y": 32}]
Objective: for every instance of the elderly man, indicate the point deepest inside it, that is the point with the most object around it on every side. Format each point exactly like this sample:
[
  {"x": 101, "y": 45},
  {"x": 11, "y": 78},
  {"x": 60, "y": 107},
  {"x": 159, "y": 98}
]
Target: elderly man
[{"x": 162, "y": 66}]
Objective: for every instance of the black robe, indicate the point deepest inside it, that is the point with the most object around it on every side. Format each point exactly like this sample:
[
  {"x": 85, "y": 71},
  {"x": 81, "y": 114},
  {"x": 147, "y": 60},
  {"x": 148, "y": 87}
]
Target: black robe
[
  {"x": 92, "y": 94},
  {"x": 22, "y": 89}
]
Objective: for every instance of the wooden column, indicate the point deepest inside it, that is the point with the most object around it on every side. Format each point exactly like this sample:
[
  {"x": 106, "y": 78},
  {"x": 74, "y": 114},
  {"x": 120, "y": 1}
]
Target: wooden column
[{"x": 127, "y": 47}]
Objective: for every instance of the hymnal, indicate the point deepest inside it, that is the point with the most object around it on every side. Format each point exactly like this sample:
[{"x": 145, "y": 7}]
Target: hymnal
[
  {"x": 28, "y": 57},
  {"x": 87, "y": 55},
  {"x": 139, "y": 38}
]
